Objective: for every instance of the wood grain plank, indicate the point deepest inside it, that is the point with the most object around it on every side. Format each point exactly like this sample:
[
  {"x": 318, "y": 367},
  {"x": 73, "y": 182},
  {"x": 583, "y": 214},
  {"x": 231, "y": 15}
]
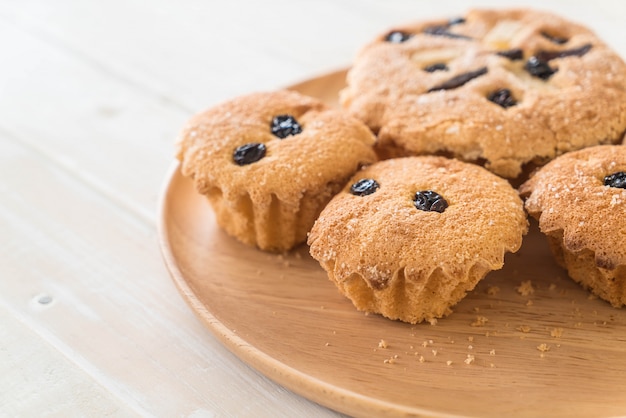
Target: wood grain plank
[
  {"x": 42, "y": 380},
  {"x": 113, "y": 310}
]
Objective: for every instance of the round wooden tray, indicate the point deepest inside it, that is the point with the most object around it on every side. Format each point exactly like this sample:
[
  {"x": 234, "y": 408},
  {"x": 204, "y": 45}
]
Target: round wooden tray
[{"x": 556, "y": 352}]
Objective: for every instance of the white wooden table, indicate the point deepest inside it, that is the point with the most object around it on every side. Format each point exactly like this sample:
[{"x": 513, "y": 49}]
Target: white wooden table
[{"x": 92, "y": 94}]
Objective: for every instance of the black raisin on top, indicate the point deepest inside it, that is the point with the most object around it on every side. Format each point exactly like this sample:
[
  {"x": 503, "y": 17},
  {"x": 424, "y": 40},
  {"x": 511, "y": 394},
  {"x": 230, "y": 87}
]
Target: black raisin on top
[
  {"x": 514, "y": 54},
  {"x": 397, "y": 37},
  {"x": 249, "y": 153},
  {"x": 574, "y": 52},
  {"x": 456, "y": 21},
  {"x": 443, "y": 31},
  {"x": 459, "y": 80},
  {"x": 439, "y": 66},
  {"x": 616, "y": 180},
  {"x": 556, "y": 39},
  {"x": 502, "y": 97},
  {"x": 364, "y": 187},
  {"x": 430, "y": 201},
  {"x": 284, "y": 125},
  {"x": 539, "y": 68}
]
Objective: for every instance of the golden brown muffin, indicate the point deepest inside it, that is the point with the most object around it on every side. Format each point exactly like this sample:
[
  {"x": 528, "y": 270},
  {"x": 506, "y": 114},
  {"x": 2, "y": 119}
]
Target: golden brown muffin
[
  {"x": 269, "y": 162},
  {"x": 409, "y": 237},
  {"x": 580, "y": 202},
  {"x": 503, "y": 88}
]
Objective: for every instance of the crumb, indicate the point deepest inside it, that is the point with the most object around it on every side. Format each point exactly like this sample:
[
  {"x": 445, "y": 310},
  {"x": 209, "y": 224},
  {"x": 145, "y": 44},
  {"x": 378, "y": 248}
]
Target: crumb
[
  {"x": 425, "y": 344},
  {"x": 525, "y": 288},
  {"x": 334, "y": 332},
  {"x": 552, "y": 286},
  {"x": 493, "y": 366},
  {"x": 432, "y": 321},
  {"x": 435, "y": 353},
  {"x": 411, "y": 347},
  {"x": 479, "y": 322},
  {"x": 470, "y": 347},
  {"x": 487, "y": 334},
  {"x": 529, "y": 303},
  {"x": 523, "y": 328},
  {"x": 327, "y": 344},
  {"x": 470, "y": 339},
  {"x": 469, "y": 359},
  {"x": 449, "y": 362},
  {"x": 422, "y": 359},
  {"x": 322, "y": 307},
  {"x": 492, "y": 352},
  {"x": 476, "y": 309},
  {"x": 591, "y": 296},
  {"x": 578, "y": 324},
  {"x": 543, "y": 347},
  {"x": 556, "y": 332},
  {"x": 493, "y": 290},
  {"x": 382, "y": 344},
  {"x": 391, "y": 360},
  {"x": 298, "y": 256}
]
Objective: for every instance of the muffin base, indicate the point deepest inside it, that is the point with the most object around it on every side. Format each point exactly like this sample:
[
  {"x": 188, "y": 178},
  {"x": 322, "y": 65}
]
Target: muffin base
[
  {"x": 271, "y": 225},
  {"x": 409, "y": 298},
  {"x": 581, "y": 266}
]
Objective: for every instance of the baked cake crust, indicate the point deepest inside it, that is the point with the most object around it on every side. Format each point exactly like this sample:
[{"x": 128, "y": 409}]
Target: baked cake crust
[
  {"x": 389, "y": 257},
  {"x": 273, "y": 202},
  {"x": 583, "y": 103},
  {"x": 583, "y": 218}
]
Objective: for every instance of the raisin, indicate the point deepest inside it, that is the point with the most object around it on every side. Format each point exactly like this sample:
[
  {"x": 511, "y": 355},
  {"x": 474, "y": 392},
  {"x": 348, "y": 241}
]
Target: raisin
[
  {"x": 574, "y": 52},
  {"x": 556, "y": 39},
  {"x": 459, "y": 80},
  {"x": 249, "y": 153},
  {"x": 443, "y": 31},
  {"x": 456, "y": 21},
  {"x": 616, "y": 180},
  {"x": 364, "y": 187},
  {"x": 539, "y": 68},
  {"x": 397, "y": 37},
  {"x": 430, "y": 201},
  {"x": 440, "y": 66},
  {"x": 284, "y": 125},
  {"x": 514, "y": 54},
  {"x": 502, "y": 97}
]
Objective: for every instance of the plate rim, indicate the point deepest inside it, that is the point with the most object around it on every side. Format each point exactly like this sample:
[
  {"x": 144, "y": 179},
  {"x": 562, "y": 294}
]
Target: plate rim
[{"x": 331, "y": 396}]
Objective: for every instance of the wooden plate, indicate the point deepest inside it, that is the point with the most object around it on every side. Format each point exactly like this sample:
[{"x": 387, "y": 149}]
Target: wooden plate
[{"x": 556, "y": 352}]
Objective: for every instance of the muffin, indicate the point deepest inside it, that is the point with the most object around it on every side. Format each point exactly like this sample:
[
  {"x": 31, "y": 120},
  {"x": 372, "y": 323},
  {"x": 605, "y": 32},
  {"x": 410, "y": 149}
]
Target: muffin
[
  {"x": 269, "y": 162},
  {"x": 507, "y": 89},
  {"x": 579, "y": 200},
  {"x": 407, "y": 238}
]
